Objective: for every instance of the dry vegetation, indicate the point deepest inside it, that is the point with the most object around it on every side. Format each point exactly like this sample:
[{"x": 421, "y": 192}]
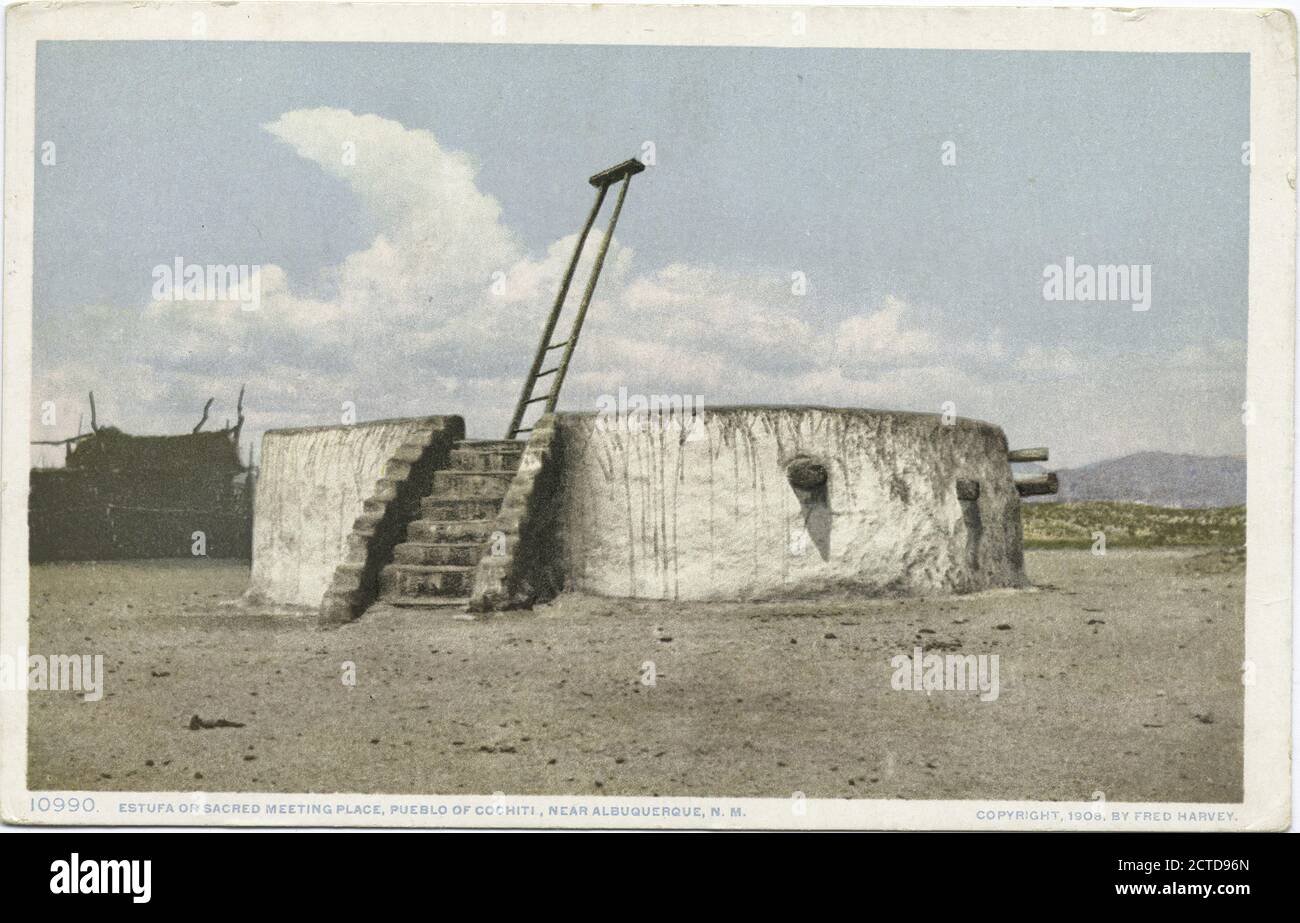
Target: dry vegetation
[{"x": 1130, "y": 525}]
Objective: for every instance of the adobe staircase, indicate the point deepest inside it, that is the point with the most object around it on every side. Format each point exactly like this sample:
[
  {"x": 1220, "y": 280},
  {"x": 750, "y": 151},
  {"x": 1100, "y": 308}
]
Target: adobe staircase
[{"x": 435, "y": 565}]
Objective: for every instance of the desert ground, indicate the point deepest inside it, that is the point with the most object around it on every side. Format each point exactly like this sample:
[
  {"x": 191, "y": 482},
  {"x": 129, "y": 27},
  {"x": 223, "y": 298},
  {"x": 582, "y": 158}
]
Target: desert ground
[{"x": 1120, "y": 674}]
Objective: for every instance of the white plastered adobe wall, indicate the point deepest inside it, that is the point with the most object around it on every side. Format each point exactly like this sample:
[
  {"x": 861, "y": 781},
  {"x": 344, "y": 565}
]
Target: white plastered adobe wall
[{"x": 704, "y": 510}]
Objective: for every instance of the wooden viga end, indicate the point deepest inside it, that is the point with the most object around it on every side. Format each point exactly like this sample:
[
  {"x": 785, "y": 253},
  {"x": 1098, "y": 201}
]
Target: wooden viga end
[{"x": 1033, "y": 485}]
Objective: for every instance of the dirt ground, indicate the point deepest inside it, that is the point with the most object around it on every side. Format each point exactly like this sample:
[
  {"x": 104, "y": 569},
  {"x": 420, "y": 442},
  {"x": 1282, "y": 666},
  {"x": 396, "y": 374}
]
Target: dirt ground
[{"x": 1119, "y": 674}]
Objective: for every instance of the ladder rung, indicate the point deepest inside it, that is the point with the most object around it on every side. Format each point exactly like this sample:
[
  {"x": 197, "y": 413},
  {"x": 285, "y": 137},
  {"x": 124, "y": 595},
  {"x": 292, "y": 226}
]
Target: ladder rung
[
  {"x": 534, "y": 400},
  {"x": 557, "y": 345},
  {"x": 527, "y": 430},
  {"x": 547, "y": 372}
]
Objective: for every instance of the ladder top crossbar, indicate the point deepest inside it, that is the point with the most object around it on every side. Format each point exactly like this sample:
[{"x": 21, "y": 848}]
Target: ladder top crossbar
[{"x": 617, "y": 172}]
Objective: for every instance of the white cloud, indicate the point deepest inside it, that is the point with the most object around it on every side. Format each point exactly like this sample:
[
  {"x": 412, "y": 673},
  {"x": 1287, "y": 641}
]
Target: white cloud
[{"x": 883, "y": 337}]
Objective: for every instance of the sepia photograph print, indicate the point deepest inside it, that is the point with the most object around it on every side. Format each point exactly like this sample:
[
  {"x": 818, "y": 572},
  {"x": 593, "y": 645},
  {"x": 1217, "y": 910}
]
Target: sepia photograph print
[{"x": 561, "y": 416}]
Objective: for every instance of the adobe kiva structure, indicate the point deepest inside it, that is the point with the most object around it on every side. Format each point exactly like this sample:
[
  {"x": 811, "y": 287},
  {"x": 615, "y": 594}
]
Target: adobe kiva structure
[
  {"x": 734, "y": 503},
  {"x": 731, "y": 503}
]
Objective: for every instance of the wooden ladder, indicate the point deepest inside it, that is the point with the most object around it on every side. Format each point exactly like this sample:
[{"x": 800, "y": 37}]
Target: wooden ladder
[{"x": 621, "y": 173}]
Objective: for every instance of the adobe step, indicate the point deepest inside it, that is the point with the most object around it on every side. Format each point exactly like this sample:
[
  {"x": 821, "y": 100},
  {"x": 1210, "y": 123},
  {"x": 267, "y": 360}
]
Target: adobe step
[
  {"x": 512, "y": 445},
  {"x": 486, "y": 456},
  {"x": 463, "y": 530},
  {"x": 438, "y": 583},
  {"x": 451, "y": 484},
  {"x": 458, "y": 509},
  {"x": 429, "y": 602},
  {"x": 464, "y": 553}
]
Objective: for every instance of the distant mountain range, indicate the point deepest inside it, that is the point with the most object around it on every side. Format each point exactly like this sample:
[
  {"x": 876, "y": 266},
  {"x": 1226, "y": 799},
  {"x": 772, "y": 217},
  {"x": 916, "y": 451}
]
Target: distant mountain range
[{"x": 1155, "y": 478}]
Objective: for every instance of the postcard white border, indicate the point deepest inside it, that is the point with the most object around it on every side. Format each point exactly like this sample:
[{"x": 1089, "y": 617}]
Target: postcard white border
[{"x": 1267, "y": 35}]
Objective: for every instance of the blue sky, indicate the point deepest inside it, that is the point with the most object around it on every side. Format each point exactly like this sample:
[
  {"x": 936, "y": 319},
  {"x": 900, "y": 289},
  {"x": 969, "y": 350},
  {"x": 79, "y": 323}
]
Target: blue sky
[{"x": 924, "y": 279}]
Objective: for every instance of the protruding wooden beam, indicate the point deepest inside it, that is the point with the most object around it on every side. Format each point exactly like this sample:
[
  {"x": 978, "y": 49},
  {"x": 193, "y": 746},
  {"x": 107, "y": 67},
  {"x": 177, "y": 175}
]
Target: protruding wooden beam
[
  {"x": 203, "y": 419},
  {"x": 1037, "y": 485},
  {"x": 69, "y": 441},
  {"x": 239, "y": 412},
  {"x": 1027, "y": 455}
]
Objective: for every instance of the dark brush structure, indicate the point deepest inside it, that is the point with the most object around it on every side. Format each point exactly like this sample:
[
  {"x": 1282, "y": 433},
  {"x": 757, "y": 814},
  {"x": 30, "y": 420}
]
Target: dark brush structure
[{"x": 125, "y": 496}]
